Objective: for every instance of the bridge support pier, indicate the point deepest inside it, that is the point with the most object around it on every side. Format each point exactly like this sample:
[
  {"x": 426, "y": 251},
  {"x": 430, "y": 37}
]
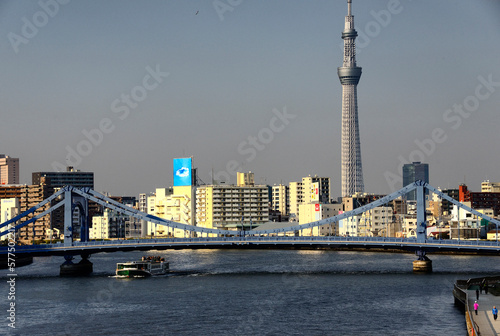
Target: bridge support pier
[
  {"x": 68, "y": 268},
  {"x": 423, "y": 264}
]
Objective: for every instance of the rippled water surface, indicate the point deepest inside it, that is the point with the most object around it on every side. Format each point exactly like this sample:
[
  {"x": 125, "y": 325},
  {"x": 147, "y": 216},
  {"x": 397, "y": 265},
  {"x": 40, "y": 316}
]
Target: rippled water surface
[{"x": 247, "y": 292}]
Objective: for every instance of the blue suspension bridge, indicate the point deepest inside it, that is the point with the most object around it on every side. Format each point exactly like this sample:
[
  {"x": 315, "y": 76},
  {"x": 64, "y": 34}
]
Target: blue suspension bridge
[{"x": 201, "y": 238}]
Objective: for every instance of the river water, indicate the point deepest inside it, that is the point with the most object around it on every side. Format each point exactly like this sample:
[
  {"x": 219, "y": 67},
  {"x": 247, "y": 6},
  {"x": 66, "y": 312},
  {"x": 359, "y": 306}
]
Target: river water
[{"x": 246, "y": 292}]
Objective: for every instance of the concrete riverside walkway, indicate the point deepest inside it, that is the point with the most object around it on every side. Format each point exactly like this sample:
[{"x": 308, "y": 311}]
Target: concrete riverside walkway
[{"x": 484, "y": 318}]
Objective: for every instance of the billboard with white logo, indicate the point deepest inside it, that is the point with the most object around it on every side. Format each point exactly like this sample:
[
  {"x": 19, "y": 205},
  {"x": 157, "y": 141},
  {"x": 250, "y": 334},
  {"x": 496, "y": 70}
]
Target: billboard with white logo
[{"x": 182, "y": 172}]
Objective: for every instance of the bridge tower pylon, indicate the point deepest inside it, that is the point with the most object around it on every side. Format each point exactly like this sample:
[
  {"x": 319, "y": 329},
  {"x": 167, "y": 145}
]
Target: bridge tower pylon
[
  {"x": 423, "y": 263},
  {"x": 72, "y": 202}
]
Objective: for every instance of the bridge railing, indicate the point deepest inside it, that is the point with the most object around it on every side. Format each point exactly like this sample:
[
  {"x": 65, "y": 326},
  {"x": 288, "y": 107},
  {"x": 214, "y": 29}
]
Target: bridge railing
[
  {"x": 368, "y": 242},
  {"x": 281, "y": 239},
  {"x": 246, "y": 239}
]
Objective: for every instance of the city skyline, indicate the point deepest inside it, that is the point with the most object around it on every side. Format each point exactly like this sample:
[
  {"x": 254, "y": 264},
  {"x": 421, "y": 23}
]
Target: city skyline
[{"x": 210, "y": 83}]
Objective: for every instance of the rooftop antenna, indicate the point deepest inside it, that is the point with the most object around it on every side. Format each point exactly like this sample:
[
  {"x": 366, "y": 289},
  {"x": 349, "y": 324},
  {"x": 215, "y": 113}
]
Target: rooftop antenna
[{"x": 349, "y": 2}]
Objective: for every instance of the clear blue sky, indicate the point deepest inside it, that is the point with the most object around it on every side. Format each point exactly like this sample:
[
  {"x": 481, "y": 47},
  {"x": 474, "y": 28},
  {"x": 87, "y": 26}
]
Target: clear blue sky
[{"x": 232, "y": 72}]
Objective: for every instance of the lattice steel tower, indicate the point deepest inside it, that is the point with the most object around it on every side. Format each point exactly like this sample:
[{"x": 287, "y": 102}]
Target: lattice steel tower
[{"x": 349, "y": 74}]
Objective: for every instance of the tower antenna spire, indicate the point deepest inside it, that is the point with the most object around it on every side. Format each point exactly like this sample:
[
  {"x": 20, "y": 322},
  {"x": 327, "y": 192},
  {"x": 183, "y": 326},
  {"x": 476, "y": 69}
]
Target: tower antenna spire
[{"x": 349, "y": 74}]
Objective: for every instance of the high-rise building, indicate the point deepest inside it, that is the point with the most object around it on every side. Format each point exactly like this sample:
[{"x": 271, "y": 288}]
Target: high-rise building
[
  {"x": 349, "y": 74},
  {"x": 413, "y": 172},
  {"x": 9, "y": 170},
  {"x": 70, "y": 177},
  {"x": 52, "y": 182}
]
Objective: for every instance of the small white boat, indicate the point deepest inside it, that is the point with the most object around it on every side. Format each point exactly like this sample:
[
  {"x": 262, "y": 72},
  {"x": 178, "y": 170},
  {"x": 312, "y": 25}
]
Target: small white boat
[{"x": 148, "y": 266}]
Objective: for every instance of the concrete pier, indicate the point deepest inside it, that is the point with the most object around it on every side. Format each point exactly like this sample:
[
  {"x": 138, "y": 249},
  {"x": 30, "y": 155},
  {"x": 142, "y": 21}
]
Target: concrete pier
[
  {"x": 422, "y": 266},
  {"x": 68, "y": 268}
]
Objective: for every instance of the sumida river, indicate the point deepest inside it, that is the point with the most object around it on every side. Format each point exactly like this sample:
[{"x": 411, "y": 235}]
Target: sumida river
[{"x": 245, "y": 292}]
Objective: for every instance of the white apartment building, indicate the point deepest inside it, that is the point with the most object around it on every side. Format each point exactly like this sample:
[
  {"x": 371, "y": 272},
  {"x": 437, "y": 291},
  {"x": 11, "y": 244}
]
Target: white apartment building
[
  {"x": 349, "y": 227},
  {"x": 316, "y": 189},
  {"x": 295, "y": 196},
  {"x": 466, "y": 218},
  {"x": 314, "y": 212},
  {"x": 143, "y": 207},
  {"x": 175, "y": 204},
  {"x": 232, "y": 207},
  {"x": 9, "y": 209},
  {"x": 371, "y": 223},
  {"x": 143, "y": 203},
  {"x": 280, "y": 198},
  {"x": 110, "y": 225},
  {"x": 410, "y": 227},
  {"x": 375, "y": 222}
]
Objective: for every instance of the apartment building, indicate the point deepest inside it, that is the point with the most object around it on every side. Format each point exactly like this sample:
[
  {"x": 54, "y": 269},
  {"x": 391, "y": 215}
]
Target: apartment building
[
  {"x": 371, "y": 223},
  {"x": 111, "y": 225},
  {"x": 53, "y": 181},
  {"x": 42, "y": 228},
  {"x": 232, "y": 207},
  {"x": 480, "y": 200},
  {"x": 359, "y": 199},
  {"x": 313, "y": 212},
  {"x": 10, "y": 209},
  {"x": 487, "y": 186},
  {"x": 280, "y": 199},
  {"x": 312, "y": 189},
  {"x": 173, "y": 203}
]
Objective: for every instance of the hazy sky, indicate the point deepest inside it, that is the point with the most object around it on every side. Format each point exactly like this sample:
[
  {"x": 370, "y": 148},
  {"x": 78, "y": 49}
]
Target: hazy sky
[{"x": 121, "y": 88}]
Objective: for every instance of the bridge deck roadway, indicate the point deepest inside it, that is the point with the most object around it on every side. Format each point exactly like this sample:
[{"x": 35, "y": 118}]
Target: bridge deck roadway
[
  {"x": 484, "y": 318},
  {"x": 408, "y": 245}
]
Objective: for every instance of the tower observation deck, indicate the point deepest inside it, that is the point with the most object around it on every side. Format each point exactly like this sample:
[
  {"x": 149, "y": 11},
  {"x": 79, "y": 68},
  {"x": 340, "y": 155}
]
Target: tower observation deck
[{"x": 349, "y": 74}]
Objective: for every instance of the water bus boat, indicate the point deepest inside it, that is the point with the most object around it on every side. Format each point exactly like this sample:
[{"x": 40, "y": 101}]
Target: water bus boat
[{"x": 148, "y": 266}]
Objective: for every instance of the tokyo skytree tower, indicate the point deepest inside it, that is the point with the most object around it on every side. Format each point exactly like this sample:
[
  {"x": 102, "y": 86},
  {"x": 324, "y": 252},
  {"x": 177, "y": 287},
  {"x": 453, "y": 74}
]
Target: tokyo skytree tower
[{"x": 349, "y": 74}]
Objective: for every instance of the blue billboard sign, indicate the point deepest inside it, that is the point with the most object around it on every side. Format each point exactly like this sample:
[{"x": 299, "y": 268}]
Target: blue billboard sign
[{"x": 182, "y": 172}]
